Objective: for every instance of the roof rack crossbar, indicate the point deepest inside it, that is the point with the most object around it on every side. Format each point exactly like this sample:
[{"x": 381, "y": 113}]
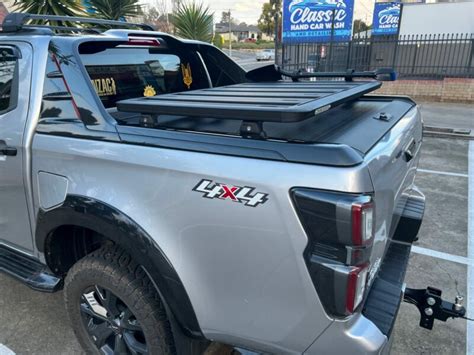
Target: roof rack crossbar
[
  {"x": 347, "y": 75},
  {"x": 64, "y": 28},
  {"x": 15, "y": 21}
]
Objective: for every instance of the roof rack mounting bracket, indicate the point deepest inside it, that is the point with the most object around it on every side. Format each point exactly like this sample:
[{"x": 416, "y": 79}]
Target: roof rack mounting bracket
[{"x": 252, "y": 130}]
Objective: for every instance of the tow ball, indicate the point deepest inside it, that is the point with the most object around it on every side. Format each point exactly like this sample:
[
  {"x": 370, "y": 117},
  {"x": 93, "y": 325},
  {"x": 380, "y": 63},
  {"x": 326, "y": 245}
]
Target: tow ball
[{"x": 432, "y": 306}]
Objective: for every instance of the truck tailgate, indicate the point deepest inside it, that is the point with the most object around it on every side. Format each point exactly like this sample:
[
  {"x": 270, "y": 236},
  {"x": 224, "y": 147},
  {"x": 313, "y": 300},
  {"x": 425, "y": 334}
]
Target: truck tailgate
[{"x": 392, "y": 165}]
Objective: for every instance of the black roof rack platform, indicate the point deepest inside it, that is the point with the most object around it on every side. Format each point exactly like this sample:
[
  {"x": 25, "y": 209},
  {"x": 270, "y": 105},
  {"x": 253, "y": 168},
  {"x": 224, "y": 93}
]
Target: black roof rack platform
[{"x": 254, "y": 102}]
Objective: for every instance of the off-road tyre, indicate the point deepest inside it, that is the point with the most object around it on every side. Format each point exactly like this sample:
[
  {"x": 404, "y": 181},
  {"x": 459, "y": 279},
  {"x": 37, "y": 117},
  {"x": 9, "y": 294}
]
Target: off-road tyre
[{"x": 111, "y": 269}]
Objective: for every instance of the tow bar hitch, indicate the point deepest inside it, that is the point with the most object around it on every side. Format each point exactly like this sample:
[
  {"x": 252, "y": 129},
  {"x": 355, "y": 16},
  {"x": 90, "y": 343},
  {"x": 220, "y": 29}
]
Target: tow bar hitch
[{"x": 432, "y": 306}]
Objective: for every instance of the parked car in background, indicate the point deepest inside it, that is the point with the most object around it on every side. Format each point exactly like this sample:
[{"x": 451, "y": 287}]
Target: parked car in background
[{"x": 265, "y": 54}]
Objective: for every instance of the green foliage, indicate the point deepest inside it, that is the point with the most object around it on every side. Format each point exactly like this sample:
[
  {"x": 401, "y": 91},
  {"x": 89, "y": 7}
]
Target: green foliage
[
  {"x": 226, "y": 16},
  {"x": 116, "y": 9},
  {"x": 50, "y": 7},
  {"x": 270, "y": 10},
  {"x": 193, "y": 21},
  {"x": 218, "y": 41},
  {"x": 159, "y": 19}
]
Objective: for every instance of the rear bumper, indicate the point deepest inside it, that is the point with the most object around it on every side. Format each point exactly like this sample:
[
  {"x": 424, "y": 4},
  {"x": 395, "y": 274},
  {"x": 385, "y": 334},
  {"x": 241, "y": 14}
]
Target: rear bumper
[
  {"x": 370, "y": 332},
  {"x": 383, "y": 301},
  {"x": 356, "y": 336}
]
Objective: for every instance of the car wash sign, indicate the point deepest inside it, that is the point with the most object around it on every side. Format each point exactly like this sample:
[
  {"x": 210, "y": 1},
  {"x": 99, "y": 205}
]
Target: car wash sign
[
  {"x": 317, "y": 20},
  {"x": 386, "y": 18}
]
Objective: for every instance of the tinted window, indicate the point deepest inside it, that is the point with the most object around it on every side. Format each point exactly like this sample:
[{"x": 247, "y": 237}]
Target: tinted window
[
  {"x": 8, "y": 63},
  {"x": 56, "y": 100},
  {"x": 122, "y": 73}
]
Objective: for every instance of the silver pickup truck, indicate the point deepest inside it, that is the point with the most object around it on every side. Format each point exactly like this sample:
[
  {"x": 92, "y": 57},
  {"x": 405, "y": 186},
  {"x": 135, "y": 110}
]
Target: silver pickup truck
[{"x": 178, "y": 199}]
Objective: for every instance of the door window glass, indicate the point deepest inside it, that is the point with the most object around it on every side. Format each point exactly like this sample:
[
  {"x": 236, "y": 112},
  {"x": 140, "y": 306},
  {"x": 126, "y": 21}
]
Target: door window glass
[{"x": 8, "y": 64}]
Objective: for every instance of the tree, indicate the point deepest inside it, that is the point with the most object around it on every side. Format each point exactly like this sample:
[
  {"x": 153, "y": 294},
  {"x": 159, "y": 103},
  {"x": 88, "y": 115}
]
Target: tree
[
  {"x": 226, "y": 17},
  {"x": 50, "y": 7},
  {"x": 193, "y": 21},
  {"x": 116, "y": 9},
  {"x": 266, "y": 22},
  {"x": 158, "y": 19},
  {"x": 360, "y": 26}
]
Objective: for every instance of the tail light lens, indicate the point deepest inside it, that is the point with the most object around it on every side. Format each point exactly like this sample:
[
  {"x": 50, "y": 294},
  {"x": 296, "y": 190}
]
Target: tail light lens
[
  {"x": 340, "y": 229},
  {"x": 362, "y": 223},
  {"x": 356, "y": 284}
]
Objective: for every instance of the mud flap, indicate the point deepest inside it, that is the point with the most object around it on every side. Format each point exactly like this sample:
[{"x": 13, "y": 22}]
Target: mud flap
[{"x": 431, "y": 306}]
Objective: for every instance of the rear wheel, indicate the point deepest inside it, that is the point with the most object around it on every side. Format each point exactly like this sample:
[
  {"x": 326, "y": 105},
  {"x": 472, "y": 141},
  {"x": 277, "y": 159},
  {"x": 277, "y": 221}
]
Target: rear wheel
[{"x": 114, "y": 307}]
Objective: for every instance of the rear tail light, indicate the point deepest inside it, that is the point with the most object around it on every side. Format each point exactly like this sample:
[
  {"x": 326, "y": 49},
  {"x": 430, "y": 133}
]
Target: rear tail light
[
  {"x": 340, "y": 229},
  {"x": 356, "y": 284},
  {"x": 362, "y": 223}
]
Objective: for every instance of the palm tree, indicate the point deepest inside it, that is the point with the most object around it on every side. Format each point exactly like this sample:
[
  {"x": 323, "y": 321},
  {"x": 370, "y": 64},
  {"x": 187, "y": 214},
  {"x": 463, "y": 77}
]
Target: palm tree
[
  {"x": 50, "y": 7},
  {"x": 193, "y": 21},
  {"x": 116, "y": 9}
]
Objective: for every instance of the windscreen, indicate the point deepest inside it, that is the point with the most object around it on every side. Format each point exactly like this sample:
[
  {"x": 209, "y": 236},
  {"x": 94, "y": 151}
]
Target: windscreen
[{"x": 129, "y": 72}]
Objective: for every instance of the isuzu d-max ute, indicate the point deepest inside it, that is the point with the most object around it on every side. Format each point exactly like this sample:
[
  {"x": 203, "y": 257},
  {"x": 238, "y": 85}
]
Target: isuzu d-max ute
[{"x": 178, "y": 199}]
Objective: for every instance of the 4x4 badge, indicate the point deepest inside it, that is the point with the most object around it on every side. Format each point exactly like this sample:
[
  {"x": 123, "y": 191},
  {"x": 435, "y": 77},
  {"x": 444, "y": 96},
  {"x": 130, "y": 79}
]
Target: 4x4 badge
[{"x": 245, "y": 195}]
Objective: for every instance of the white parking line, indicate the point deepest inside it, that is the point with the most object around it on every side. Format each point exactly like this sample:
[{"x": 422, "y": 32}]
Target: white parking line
[
  {"x": 443, "y": 256},
  {"x": 470, "y": 253},
  {"x": 442, "y": 173},
  {"x": 5, "y": 351}
]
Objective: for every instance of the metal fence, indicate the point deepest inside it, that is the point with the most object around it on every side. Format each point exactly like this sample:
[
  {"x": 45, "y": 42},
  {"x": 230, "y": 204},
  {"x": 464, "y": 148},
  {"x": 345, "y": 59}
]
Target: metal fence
[{"x": 412, "y": 56}]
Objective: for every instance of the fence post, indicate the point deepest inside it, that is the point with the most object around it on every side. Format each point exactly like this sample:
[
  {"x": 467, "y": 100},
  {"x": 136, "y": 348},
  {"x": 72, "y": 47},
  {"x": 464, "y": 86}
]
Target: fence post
[
  {"x": 470, "y": 72},
  {"x": 395, "y": 52},
  {"x": 349, "y": 54},
  {"x": 371, "y": 45},
  {"x": 415, "y": 55}
]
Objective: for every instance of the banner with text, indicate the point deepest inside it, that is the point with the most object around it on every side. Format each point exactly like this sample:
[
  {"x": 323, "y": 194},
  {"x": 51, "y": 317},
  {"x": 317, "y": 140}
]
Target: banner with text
[
  {"x": 386, "y": 18},
  {"x": 317, "y": 20}
]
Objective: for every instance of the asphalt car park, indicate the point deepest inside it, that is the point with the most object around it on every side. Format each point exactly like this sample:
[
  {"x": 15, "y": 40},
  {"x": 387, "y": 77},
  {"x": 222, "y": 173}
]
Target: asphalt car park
[{"x": 443, "y": 257}]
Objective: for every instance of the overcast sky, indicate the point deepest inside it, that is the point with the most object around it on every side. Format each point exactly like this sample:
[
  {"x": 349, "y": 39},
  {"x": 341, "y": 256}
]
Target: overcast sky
[{"x": 249, "y": 10}]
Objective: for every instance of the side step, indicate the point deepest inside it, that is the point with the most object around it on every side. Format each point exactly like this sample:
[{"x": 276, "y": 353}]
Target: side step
[{"x": 28, "y": 270}]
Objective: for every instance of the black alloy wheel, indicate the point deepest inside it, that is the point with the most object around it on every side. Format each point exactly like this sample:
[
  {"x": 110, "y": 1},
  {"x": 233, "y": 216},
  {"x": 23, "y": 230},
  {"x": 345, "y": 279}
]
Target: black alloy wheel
[{"x": 112, "y": 326}]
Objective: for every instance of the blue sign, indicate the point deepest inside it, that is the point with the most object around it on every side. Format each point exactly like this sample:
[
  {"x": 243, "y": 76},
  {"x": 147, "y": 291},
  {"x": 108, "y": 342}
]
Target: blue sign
[
  {"x": 386, "y": 18},
  {"x": 317, "y": 20}
]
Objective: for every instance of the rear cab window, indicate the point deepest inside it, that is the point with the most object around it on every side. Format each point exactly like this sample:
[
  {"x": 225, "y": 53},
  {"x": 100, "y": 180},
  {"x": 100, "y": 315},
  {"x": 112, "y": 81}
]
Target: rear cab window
[{"x": 121, "y": 71}]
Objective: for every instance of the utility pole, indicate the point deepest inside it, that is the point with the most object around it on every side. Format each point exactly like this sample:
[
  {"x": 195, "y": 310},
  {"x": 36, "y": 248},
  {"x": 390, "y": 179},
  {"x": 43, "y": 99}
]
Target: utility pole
[{"x": 230, "y": 34}]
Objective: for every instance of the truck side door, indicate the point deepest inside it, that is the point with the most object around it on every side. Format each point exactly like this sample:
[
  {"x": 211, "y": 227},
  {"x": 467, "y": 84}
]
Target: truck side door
[{"x": 15, "y": 78}]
